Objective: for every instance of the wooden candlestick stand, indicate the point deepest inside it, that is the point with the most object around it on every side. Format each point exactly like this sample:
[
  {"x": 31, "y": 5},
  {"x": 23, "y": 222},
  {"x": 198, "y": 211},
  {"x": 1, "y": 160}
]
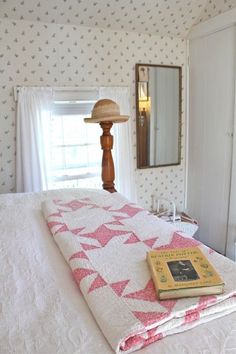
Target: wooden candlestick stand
[{"x": 108, "y": 172}]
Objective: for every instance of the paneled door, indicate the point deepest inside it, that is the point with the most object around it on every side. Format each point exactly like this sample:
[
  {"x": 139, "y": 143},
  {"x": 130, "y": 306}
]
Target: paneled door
[{"x": 211, "y": 118}]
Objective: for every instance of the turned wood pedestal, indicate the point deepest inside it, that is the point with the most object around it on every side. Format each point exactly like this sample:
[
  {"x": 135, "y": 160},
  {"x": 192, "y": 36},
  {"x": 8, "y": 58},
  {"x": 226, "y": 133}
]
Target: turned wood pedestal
[{"x": 108, "y": 172}]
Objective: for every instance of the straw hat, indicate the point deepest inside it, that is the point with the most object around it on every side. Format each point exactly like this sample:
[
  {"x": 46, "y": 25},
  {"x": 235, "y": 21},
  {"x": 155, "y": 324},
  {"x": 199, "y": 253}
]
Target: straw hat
[{"x": 106, "y": 111}]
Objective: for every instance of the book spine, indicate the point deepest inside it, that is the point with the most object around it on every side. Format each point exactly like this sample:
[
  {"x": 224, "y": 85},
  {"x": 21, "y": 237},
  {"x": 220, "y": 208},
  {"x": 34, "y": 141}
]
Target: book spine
[{"x": 153, "y": 273}]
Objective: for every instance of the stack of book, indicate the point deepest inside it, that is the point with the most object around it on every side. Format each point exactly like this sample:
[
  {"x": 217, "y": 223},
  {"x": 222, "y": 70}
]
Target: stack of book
[{"x": 183, "y": 272}]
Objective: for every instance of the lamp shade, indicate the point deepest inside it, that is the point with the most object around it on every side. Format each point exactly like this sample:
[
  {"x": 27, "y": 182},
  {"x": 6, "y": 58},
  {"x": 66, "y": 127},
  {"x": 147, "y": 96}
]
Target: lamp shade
[{"x": 106, "y": 111}]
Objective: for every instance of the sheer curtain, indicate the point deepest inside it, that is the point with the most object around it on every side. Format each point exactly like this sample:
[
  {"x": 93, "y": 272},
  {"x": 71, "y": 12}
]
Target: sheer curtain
[
  {"x": 123, "y": 152},
  {"x": 34, "y": 106},
  {"x": 34, "y": 111}
]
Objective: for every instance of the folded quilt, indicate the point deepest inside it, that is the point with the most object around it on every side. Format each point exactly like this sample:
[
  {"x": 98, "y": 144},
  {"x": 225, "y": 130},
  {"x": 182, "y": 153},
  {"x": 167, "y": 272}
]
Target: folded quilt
[{"x": 104, "y": 238}]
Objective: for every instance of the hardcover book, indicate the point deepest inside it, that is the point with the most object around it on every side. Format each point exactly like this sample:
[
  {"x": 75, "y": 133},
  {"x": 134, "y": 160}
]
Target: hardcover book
[{"x": 183, "y": 272}]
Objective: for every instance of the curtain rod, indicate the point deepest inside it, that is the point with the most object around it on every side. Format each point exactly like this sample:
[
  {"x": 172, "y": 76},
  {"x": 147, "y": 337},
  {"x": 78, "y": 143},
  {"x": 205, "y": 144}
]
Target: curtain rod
[
  {"x": 61, "y": 88},
  {"x": 65, "y": 88},
  {"x": 16, "y": 89}
]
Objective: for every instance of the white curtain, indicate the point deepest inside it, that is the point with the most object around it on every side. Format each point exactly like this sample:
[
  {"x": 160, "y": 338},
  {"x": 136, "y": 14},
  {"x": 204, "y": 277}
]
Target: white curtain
[
  {"x": 123, "y": 151},
  {"x": 34, "y": 106}
]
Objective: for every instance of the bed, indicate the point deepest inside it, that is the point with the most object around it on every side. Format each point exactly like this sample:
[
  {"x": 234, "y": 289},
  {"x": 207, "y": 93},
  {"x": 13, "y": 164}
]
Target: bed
[{"x": 42, "y": 308}]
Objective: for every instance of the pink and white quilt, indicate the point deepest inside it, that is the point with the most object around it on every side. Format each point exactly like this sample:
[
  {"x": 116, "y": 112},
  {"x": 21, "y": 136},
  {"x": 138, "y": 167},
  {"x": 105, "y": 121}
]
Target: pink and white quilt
[{"x": 104, "y": 239}]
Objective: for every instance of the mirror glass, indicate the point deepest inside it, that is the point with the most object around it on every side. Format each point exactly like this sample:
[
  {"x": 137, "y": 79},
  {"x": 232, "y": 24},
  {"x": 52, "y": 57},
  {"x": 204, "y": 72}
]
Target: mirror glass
[{"x": 158, "y": 107}]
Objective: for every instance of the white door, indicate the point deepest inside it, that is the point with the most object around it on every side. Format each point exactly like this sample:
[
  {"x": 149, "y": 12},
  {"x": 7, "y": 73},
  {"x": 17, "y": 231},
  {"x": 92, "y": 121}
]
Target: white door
[{"x": 211, "y": 115}]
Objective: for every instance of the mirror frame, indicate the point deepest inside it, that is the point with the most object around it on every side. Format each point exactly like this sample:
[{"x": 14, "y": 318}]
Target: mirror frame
[{"x": 139, "y": 166}]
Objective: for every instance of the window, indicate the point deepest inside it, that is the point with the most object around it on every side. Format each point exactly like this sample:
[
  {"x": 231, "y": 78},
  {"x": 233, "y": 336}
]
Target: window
[
  {"x": 74, "y": 151},
  {"x": 56, "y": 149}
]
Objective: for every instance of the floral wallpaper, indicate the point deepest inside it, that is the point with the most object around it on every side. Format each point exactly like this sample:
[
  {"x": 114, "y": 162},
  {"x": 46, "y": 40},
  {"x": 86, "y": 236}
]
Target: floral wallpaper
[
  {"x": 216, "y": 7},
  {"x": 162, "y": 17},
  {"x": 34, "y": 53}
]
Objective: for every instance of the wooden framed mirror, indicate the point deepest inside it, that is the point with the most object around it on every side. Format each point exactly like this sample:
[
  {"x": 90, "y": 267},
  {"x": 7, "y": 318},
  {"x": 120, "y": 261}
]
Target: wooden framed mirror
[{"x": 158, "y": 115}]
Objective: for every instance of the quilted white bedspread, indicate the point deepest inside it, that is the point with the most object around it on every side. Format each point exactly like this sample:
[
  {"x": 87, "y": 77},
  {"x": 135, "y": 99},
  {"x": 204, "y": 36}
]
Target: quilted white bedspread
[
  {"x": 105, "y": 240},
  {"x": 41, "y": 308}
]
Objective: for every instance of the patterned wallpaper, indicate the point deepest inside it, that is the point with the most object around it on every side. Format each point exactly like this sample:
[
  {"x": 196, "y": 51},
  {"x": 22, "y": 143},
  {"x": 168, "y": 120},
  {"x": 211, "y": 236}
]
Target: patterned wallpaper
[
  {"x": 146, "y": 16},
  {"x": 174, "y": 18},
  {"x": 58, "y": 55},
  {"x": 216, "y": 7}
]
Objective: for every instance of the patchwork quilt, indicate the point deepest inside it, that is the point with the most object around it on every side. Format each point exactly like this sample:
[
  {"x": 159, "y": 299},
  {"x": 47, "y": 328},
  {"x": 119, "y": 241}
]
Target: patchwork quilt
[{"x": 105, "y": 239}]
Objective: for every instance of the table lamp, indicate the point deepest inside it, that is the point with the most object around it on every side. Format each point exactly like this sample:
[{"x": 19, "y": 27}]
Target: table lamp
[{"x": 106, "y": 112}]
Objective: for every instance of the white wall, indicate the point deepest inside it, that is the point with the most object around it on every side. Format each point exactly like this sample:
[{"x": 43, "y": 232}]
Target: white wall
[{"x": 57, "y": 55}]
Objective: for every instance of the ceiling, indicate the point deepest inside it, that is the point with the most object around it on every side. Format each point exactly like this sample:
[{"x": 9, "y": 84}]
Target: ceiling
[{"x": 163, "y": 17}]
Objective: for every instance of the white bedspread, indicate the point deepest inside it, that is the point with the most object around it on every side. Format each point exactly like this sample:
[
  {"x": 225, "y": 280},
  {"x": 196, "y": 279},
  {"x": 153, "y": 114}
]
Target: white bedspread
[{"x": 40, "y": 309}]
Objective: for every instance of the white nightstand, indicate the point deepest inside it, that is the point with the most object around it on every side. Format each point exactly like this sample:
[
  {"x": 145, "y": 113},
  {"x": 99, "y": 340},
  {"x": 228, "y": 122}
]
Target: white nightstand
[{"x": 186, "y": 227}]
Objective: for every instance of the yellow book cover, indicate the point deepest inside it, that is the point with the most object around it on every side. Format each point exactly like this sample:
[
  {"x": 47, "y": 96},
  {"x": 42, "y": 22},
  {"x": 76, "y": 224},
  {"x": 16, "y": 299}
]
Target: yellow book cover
[{"x": 183, "y": 272}]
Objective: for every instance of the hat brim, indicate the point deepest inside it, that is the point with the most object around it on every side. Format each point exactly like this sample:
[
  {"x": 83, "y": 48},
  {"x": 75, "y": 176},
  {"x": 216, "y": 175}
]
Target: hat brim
[{"x": 113, "y": 119}]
